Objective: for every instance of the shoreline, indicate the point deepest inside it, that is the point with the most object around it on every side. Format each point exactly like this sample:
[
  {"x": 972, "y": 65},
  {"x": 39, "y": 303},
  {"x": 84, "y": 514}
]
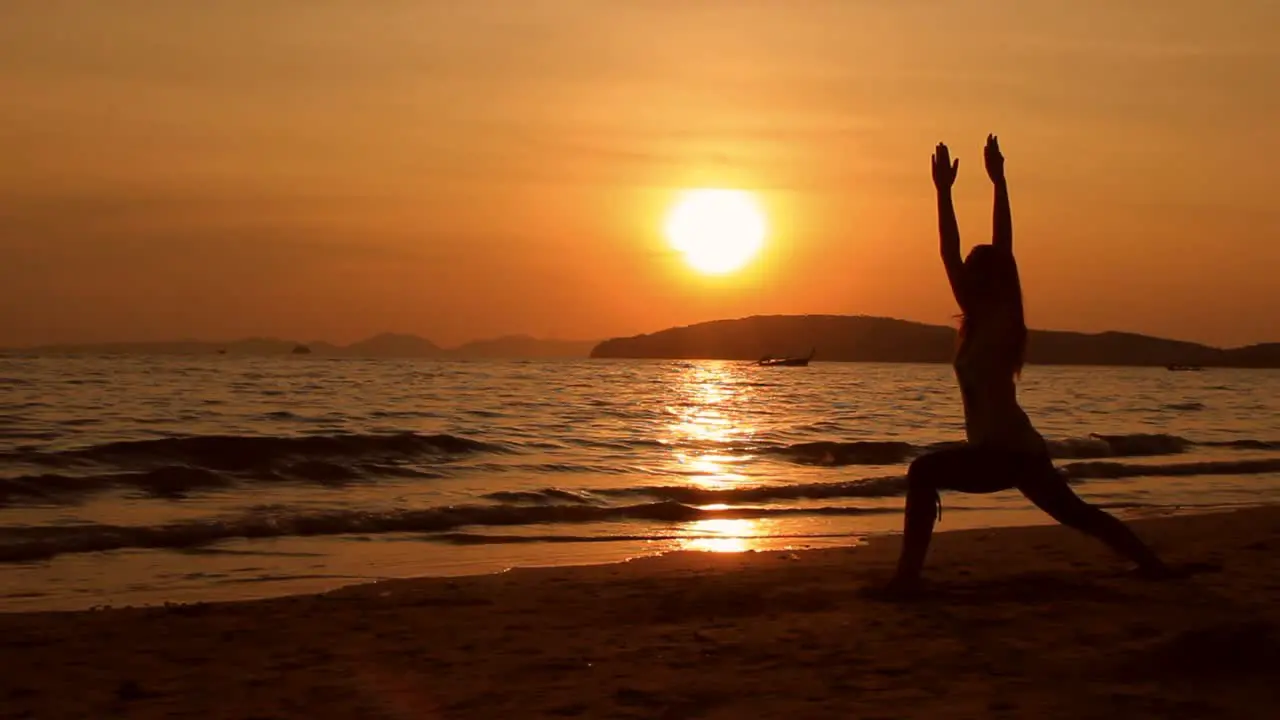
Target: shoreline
[
  {"x": 1035, "y": 621},
  {"x": 346, "y": 564}
]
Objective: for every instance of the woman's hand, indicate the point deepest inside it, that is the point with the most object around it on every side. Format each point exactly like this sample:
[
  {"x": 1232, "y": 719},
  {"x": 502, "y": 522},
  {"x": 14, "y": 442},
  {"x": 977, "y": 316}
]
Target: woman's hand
[
  {"x": 1001, "y": 217},
  {"x": 944, "y": 170},
  {"x": 994, "y": 160}
]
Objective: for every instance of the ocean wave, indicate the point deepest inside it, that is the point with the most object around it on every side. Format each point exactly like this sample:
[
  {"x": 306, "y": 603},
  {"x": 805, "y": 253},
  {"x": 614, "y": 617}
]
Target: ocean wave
[
  {"x": 888, "y": 486},
  {"x": 29, "y": 544},
  {"x": 1116, "y": 471},
  {"x": 833, "y": 453},
  {"x": 171, "y": 482},
  {"x": 247, "y": 452},
  {"x": 240, "y": 453},
  {"x": 549, "y": 496},
  {"x": 1135, "y": 445},
  {"x": 877, "y": 487},
  {"x": 667, "y": 504},
  {"x": 1244, "y": 444},
  {"x": 179, "y": 481}
]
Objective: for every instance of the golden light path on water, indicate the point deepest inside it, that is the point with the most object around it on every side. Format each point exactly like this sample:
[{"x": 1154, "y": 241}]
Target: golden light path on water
[
  {"x": 707, "y": 425},
  {"x": 736, "y": 534}
]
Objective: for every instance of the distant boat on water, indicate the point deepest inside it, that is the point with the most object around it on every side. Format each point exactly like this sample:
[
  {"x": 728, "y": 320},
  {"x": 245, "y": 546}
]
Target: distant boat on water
[
  {"x": 769, "y": 361},
  {"x": 1184, "y": 368},
  {"x": 301, "y": 350}
]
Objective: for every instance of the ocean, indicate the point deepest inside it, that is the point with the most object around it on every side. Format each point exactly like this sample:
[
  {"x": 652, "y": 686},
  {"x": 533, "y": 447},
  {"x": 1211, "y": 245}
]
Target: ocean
[{"x": 142, "y": 480}]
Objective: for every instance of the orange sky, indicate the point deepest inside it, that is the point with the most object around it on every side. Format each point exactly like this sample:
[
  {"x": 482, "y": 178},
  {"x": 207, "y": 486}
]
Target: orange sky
[{"x": 331, "y": 169}]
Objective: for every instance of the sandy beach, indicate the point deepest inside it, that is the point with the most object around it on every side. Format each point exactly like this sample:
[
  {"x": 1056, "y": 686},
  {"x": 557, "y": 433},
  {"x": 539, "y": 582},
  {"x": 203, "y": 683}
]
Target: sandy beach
[{"x": 1024, "y": 622}]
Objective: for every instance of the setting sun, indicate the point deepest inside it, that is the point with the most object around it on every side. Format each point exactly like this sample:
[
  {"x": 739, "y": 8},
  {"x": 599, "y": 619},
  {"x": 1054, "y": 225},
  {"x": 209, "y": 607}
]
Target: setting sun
[{"x": 718, "y": 231}]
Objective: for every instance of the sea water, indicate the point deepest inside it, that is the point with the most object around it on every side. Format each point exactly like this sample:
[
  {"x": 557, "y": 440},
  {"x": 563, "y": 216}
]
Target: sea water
[{"x": 147, "y": 479}]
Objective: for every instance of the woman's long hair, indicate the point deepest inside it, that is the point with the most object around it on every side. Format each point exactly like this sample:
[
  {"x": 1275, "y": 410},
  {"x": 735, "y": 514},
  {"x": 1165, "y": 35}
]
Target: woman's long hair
[{"x": 991, "y": 289}]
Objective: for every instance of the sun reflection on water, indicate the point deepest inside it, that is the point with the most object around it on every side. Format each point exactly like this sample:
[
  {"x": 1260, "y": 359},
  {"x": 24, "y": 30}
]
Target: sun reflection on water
[
  {"x": 724, "y": 535},
  {"x": 708, "y": 425},
  {"x": 709, "y": 430}
]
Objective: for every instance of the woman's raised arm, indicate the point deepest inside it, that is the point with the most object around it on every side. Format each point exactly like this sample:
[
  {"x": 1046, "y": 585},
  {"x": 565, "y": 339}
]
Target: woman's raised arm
[
  {"x": 944, "y": 176},
  {"x": 1001, "y": 217}
]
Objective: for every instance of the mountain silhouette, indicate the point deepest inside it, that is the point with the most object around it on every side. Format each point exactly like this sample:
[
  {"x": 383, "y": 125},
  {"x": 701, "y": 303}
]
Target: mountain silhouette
[
  {"x": 851, "y": 338},
  {"x": 523, "y": 347},
  {"x": 858, "y": 338},
  {"x": 384, "y": 345},
  {"x": 393, "y": 345}
]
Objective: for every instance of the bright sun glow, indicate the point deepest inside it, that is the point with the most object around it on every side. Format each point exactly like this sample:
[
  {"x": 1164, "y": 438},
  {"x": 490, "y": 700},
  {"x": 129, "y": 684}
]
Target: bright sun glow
[{"x": 718, "y": 231}]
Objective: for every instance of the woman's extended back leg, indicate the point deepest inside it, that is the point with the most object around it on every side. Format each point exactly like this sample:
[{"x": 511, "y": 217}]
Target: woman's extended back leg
[{"x": 1050, "y": 492}]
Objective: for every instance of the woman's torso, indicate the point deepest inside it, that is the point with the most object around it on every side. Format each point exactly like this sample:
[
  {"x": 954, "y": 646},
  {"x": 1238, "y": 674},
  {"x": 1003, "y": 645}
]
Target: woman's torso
[{"x": 992, "y": 415}]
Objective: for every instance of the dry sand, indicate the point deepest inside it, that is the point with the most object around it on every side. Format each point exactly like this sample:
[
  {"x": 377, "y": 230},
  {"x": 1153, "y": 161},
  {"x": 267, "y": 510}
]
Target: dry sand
[{"x": 1021, "y": 623}]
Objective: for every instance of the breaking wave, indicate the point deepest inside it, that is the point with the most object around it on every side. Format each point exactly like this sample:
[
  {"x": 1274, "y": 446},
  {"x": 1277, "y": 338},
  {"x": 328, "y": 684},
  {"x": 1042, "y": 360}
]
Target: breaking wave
[
  {"x": 27, "y": 544},
  {"x": 868, "y": 488},
  {"x": 174, "y": 468},
  {"x": 878, "y": 487},
  {"x": 676, "y": 504},
  {"x": 655, "y": 503},
  {"x": 1116, "y": 471},
  {"x": 1092, "y": 447},
  {"x": 179, "y": 481},
  {"x": 248, "y": 452}
]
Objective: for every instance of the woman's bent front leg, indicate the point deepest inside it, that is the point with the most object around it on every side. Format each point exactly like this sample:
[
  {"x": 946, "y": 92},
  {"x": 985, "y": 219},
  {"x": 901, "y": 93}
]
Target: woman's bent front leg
[
  {"x": 917, "y": 531},
  {"x": 967, "y": 469}
]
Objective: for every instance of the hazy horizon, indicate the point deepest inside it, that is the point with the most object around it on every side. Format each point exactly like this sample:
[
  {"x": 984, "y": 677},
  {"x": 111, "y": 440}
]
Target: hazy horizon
[
  {"x": 519, "y": 335},
  {"x": 469, "y": 171}
]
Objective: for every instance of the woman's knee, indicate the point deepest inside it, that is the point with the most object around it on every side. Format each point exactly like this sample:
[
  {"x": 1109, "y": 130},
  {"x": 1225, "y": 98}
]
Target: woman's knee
[
  {"x": 924, "y": 470},
  {"x": 922, "y": 479},
  {"x": 922, "y": 488}
]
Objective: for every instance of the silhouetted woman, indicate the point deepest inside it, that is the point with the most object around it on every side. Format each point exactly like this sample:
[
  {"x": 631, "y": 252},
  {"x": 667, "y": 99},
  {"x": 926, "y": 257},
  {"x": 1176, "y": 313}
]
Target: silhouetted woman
[{"x": 1003, "y": 450}]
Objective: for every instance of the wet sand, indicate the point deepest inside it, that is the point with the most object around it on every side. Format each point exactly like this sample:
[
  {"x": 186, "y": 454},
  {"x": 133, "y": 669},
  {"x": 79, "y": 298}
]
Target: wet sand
[{"x": 1023, "y": 622}]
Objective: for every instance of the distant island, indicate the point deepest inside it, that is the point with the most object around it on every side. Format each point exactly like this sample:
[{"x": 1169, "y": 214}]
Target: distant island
[
  {"x": 834, "y": 338},
  {"x": 857, "y": 338},
  {"x": 386, "y": 345}
]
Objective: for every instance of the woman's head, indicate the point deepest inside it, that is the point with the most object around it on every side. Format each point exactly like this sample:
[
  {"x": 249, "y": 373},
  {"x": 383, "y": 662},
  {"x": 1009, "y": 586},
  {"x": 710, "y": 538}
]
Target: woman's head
[
  {"x": 991, "y": 281},
  {"x": 993, "y": 293}
]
